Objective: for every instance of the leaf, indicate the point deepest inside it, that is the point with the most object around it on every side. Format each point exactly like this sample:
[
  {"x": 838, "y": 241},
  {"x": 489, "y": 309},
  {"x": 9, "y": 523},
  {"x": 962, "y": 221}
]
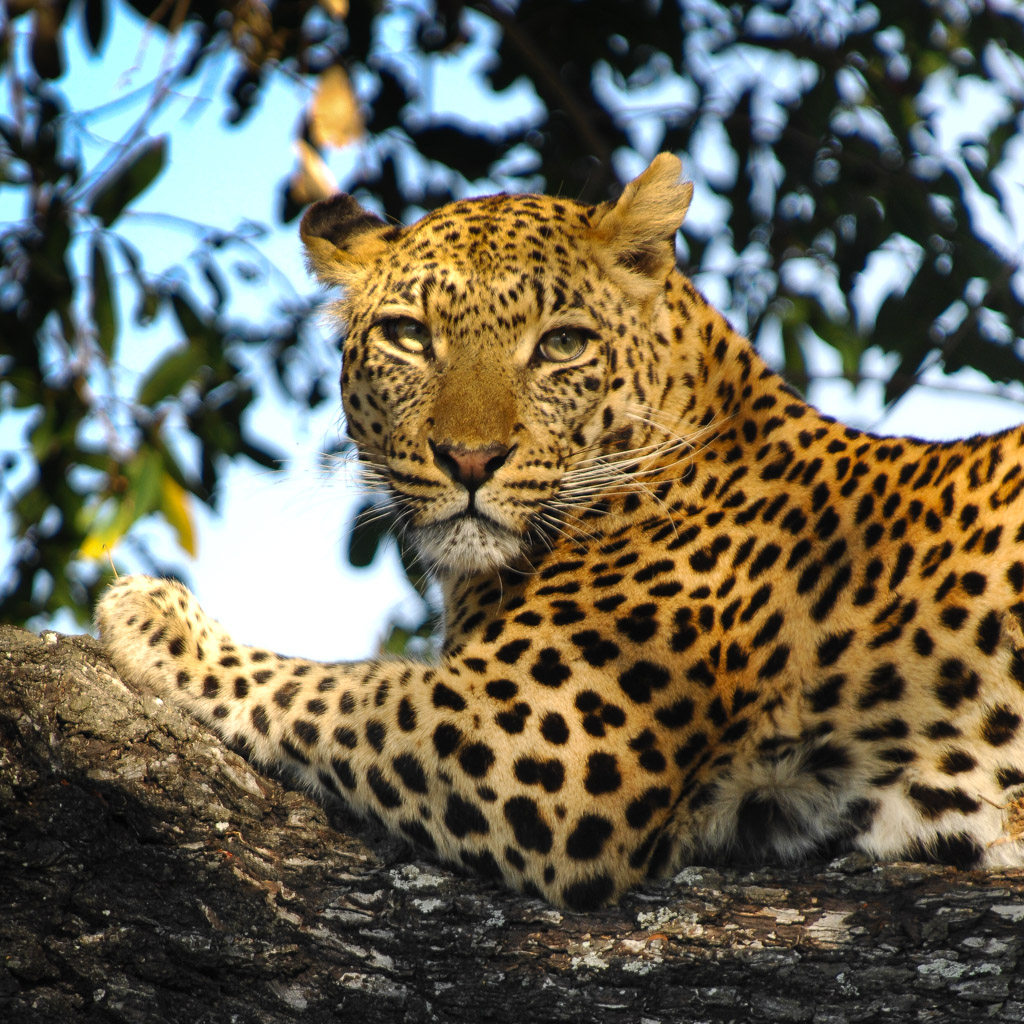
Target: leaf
[
  {"x": 396, "y": 643},
  {"x": 212, "y": 276},
  {"x": 473, "y": 153},
  {"x": 190, "y": 484},
  {"x": 95, "y": 23},
  {"x": 150, "y": 488},
  {"x": 145, "y": 472},
  {"x": 110, "y": 525},
  {"x": 46, "y": 47},
  {"x": 147, "y": 307},
  {"x": 132, "y": 257},
  {"x": 792, "y": 324},
  {"x": 11, "y": 134},
  {"x": 847, "y": 341},
  {"x": 128, "y": 180},
  {"x": 386, "y": 106},
  {"x": 174, "y": 504},
  {"x": 334, "y": 116},
  {"x": 192, "y": 324},
  {"x": 105, "y": 523},
  {"x": 165, "y": 380},
  {"x": 365, "y": 537},
  {"x": 399, "y": 639},
  {"x": 312, "y": 179},
  {"x": 997, "y": 360},
  {"x": 104, "y": 304}
]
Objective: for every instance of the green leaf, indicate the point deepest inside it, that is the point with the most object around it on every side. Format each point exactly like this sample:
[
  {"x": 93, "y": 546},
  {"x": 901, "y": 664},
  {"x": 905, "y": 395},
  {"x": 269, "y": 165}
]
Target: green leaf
[
  {"x": 132, "y": 257},
  {"x": 154, "y": 438},
  {"x": 147, "y": 307},
  {"x": 399, "y": 638},
  {"x": 848, "y": 342},
  {"x": 104, "y": 303},
  {"x": 129, "y": 179},
  {"x": 170, "y": 375},
  {"x": 192, "y": 324},
  {"x": 103, "y": 525},
  {"x": 396, "y": 643},
  {"x": 145, "y": 471},
  {"x": 365, "y": 537},
  {"x": 792, "y": 324}
]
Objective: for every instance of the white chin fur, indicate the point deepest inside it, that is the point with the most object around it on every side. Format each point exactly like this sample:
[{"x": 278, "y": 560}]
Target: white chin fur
[{"x": 466, "y": 545}]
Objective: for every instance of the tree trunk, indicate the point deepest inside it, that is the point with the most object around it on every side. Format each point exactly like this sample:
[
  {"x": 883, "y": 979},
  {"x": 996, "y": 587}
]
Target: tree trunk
[{"x": 147, "y": 873}]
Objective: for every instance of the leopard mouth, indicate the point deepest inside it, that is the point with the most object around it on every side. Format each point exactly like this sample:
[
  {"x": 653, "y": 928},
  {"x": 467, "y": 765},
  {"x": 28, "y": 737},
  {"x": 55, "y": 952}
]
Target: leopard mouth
[{"x": 466, "y": 543}]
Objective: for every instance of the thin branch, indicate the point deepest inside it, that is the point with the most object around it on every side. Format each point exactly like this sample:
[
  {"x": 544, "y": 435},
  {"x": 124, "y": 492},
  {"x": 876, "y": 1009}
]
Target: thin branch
[
  {"x": 1007, "y": 393},
  {"x": 547, "y": 80}
]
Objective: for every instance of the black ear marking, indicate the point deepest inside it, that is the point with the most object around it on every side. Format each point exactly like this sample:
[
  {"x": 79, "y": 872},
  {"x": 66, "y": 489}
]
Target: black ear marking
[
  {"x": 338, "y": 220},
  {"x": 637, "y": 233},
  {"x": 341, "y": 237},
  {"x": 644, "y": 259}
]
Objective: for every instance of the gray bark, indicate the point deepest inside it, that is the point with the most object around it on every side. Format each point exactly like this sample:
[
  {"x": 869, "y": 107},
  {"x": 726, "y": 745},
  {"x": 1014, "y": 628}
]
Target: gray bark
[{"x": 147, "y": 873}]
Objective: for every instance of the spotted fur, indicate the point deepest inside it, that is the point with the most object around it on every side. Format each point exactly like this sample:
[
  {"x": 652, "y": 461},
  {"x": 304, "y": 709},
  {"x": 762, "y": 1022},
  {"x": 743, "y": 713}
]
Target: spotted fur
[{"x": 688, "y": 617}]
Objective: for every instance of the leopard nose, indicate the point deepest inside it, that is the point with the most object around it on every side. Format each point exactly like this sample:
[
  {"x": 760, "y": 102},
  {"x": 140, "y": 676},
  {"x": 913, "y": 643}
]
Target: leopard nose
[{"x": 471, "y": 467}]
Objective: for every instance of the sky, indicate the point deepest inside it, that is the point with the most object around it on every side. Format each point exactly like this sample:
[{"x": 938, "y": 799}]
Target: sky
[{"x": 271, "y": 564}]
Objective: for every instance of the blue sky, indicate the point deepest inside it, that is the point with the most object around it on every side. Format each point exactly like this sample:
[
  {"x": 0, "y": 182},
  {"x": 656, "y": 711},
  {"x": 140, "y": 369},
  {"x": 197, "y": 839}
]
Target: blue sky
[{"x": 271, "y": 564}]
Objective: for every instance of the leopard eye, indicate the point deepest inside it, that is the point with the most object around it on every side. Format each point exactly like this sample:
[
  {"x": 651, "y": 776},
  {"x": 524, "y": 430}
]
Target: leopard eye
[
  {"x": 407, "y": 333},
  {"x": 563, "y": 344}
]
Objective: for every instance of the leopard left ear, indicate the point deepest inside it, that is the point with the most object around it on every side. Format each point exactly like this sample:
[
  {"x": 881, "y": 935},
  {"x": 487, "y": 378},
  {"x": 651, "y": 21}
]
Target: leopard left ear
[
  {"x": 339, "y": 237},
  {"x": 639, "y": 229}
]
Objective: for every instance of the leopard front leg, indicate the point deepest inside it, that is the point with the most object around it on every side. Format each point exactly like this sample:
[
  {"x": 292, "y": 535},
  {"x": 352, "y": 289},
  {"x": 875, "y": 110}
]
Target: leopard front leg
[{"x": 494, "y": 786}]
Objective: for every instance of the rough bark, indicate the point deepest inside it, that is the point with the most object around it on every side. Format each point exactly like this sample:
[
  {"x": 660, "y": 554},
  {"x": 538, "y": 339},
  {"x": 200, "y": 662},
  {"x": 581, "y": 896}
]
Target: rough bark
[{"x": 147, "y": 873}]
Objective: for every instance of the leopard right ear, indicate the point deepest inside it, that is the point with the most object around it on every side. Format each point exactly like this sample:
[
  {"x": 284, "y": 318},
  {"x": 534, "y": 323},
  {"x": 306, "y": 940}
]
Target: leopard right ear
[
  {"x": 340, "y": 237},
  {"x": 637, "y": 233}
]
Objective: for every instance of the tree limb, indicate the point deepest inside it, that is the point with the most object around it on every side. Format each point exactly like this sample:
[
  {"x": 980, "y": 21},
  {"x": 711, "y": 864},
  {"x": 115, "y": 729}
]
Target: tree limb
[{"x": 149, "y": 874}]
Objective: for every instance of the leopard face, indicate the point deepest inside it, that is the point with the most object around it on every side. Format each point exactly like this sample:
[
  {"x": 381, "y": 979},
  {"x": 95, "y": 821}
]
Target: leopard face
[{"x": 494, "y": 398}]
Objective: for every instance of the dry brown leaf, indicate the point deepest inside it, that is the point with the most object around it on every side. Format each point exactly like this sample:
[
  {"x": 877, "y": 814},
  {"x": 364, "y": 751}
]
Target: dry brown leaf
[
  {"x": 311, "y": 179},
  {"x": 334, "y": 118}
]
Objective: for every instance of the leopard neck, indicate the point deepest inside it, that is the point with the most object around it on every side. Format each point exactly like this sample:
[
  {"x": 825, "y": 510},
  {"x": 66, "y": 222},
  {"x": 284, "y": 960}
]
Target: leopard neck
[{"x": 729, "y": 411}]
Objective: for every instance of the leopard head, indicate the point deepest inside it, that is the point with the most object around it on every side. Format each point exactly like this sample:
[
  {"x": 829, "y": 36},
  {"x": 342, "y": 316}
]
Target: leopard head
[{"x": 496, "y": 353}]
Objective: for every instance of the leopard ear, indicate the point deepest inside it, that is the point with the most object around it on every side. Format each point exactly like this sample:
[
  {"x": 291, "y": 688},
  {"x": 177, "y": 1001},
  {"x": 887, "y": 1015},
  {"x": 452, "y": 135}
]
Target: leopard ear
[
  {"x": 639, "y": 230},
  {"x": 340, "y": 236}
]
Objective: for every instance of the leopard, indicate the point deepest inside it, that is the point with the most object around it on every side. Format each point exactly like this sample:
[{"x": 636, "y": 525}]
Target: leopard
[{"x": 688, "y": 618}]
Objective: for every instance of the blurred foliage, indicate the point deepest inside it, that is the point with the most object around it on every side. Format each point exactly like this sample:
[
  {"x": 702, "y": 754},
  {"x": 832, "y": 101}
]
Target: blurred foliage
[{"x": 818, "y": 135}]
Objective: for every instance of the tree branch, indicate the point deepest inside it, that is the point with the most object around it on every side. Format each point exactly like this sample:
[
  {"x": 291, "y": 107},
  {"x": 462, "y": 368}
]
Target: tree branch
[
  {"x": 549, "y": 83},
  {"x": 148, "y": 874}
]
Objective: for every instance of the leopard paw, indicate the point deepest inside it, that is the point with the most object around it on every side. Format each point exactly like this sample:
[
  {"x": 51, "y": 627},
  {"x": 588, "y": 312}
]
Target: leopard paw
[{"x": 152, "y": 628}]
